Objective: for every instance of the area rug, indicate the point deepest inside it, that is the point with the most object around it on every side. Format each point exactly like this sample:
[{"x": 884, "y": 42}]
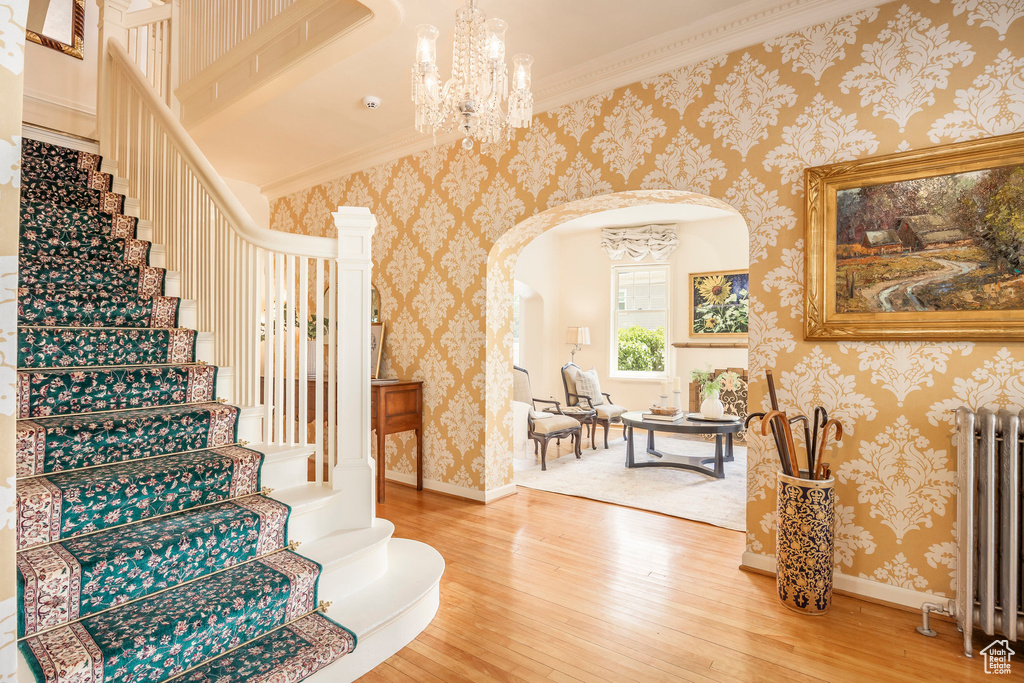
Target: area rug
[{"x": 602, "y": 475}]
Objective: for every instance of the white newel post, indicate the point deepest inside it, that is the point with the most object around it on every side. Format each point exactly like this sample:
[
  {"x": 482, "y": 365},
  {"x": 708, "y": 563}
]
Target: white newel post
[{"x": 354, "y": 471}]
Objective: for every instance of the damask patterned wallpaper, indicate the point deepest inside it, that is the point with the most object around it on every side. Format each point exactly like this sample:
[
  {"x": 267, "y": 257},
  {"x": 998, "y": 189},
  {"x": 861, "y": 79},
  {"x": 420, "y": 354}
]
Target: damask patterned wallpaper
[
  {"x": 12, "y": 59},
  {"x": 741, "y": 128}
]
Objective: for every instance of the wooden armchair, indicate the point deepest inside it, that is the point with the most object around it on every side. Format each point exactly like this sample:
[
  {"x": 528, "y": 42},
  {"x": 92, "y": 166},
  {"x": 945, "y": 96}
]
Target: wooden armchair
[
  {"x": 607, "y": 413},
  {"x": 544, "y": 426}
]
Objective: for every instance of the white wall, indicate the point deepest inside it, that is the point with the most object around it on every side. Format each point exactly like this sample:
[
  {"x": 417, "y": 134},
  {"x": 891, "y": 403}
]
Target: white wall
[
  {"x": 60, "y": 91},
  {"x": 573, "y": 277},
  {"x": 255, "y": 202}
]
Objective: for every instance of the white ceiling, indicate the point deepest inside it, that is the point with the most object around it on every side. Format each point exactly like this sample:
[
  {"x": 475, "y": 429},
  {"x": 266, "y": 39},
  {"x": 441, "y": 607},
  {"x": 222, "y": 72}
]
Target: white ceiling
[{"x": 320, "y": 129}]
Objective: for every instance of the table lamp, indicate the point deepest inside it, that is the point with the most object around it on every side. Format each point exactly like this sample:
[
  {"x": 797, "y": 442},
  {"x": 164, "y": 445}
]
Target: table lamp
[{"x": 577, "y": 336}]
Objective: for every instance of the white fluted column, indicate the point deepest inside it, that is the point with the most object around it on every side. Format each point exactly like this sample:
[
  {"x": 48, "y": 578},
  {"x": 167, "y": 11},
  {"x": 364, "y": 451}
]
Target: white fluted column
[{"x": 354, "y": 471}]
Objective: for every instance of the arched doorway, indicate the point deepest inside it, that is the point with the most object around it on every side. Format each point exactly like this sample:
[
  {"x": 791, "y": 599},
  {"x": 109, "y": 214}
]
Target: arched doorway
[{"x": 501, "y": 264}]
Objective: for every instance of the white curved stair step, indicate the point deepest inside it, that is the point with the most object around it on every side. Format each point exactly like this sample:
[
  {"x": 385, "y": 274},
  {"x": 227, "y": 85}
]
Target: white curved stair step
[
  {"x": 284, "y": 467},
  {"x": 315, "y": 510},
  {"x": 353, "y": 558},
  {"x": 387, "y": 614}
]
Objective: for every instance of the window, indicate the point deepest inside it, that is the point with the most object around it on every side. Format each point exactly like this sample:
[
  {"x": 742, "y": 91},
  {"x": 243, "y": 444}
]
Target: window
[{"x": 639, "y": 320}]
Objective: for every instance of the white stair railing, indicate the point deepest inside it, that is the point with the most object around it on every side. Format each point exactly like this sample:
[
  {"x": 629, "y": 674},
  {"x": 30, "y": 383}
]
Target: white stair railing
[
  {"x": 233, "y": 21},
  {"x": 152, "y": 39},
  {"x": 261, "y": 292}
]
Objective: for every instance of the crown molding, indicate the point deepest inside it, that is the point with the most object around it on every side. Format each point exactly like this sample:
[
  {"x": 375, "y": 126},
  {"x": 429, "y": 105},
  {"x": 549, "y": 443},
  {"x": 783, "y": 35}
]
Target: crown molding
[{"x": 748, "y": 24}]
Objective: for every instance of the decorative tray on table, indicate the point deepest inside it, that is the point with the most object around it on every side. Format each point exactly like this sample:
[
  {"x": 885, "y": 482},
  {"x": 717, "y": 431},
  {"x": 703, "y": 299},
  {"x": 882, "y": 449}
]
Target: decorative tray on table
[
  {"x": 657, "y": 410},
  {"x": 697, "y": 417}
]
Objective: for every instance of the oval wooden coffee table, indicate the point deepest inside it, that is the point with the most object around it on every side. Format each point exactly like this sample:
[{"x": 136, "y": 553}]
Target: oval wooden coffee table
[{"x": 721, "y": 431}]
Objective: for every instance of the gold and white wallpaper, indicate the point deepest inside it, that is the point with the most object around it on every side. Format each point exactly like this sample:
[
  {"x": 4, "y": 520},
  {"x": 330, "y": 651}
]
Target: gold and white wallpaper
[
  {"x": 739, "y": 128},
  {"x": 12, "y": 59}
]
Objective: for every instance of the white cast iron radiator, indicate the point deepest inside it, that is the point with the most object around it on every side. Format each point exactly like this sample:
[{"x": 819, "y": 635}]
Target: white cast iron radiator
[{"x": 990, "y": 562}]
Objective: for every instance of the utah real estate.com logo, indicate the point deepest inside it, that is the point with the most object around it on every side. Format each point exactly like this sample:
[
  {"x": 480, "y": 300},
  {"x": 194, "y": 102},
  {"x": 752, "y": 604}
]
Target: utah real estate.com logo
[{"x": 997, "y": 657}]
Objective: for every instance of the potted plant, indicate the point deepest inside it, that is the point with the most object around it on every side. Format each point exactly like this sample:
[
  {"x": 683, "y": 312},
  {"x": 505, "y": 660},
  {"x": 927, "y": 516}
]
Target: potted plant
[{"x": 711, "y": 405}]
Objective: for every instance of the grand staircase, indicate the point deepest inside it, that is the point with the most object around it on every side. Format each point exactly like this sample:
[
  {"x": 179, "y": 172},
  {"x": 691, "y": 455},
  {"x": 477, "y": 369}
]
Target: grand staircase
[{"x": 157, "y": 538}]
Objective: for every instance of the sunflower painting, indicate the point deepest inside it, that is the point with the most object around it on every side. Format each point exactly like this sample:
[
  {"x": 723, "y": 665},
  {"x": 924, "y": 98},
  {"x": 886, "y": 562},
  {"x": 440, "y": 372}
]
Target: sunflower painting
[{"x": 719, "y": 303}]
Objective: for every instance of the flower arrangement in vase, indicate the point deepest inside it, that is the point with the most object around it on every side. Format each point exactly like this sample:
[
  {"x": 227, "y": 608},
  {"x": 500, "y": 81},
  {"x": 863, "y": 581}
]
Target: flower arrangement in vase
[{"x": 711, "y": 405}]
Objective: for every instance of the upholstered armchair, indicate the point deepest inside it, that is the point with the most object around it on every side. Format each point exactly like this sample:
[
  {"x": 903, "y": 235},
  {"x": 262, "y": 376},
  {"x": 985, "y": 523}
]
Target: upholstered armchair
[
  {"x": 586, "y": 393},
  {"x": 544, "y": 426}
]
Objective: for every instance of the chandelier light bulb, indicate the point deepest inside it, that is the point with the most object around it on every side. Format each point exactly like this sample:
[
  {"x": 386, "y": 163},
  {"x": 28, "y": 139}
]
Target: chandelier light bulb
[
  {"x": 426, "y": 44},
  {"x": 495, "y": 30},
  {"x": 521, "y": 72}
]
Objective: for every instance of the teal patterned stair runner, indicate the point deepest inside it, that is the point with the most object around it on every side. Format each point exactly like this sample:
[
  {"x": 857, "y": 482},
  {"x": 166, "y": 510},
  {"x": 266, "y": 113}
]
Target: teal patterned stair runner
[{"x": 147, "y": 549}]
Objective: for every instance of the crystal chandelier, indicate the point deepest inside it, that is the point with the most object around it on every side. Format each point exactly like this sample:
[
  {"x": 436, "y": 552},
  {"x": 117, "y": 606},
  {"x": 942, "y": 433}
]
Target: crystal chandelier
[{"x": 472, "y": 97}]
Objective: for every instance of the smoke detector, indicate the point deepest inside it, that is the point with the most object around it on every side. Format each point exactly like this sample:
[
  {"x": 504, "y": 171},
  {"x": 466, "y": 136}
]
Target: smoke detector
[{"x": 371, "y": 102}]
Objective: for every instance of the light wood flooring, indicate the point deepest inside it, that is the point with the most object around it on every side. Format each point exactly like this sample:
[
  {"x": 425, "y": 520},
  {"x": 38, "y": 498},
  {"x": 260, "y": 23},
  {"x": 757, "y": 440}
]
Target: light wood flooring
[{"x": 544, "y": 587}]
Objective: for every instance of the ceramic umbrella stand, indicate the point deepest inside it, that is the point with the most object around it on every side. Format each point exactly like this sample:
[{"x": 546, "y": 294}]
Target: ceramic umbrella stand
[{"x": 805, "y": 543}]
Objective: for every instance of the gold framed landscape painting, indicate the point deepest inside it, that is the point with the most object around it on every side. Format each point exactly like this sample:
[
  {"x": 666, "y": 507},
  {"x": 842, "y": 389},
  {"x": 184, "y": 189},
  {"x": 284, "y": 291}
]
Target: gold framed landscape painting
[{"x": 926, "y": 244}]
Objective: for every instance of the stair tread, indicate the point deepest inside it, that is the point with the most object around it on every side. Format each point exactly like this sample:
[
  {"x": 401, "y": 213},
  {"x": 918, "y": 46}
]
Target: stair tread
[
  {"x": 59, "y": 217},
  {"x": 306, "y": 496},
  {"x": 67, "y": 504},
  {"x": 186, "y": 625},
  {"x": 45, "y": 392},
  {"x": 77, "y": 577},
  {"x": 340, "y": 546},
  {"x": 291, "y": 653},
  {"x": 42, "y": 348},
  {"x": 70, "y": 306},
  {"x": 49, "y": 444}
]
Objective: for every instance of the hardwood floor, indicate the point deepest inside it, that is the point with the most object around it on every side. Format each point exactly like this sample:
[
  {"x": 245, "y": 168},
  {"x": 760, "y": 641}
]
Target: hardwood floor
[{"x": 540, "y": 586}]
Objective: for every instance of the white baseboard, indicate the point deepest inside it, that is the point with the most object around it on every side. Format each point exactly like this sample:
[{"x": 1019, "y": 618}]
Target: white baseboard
[
  {"x": 452, "y": 490},
  {"x": 54, "y": 137},
  {"x": 59, "y": 115},
  {"x": 857, "y": 586}
]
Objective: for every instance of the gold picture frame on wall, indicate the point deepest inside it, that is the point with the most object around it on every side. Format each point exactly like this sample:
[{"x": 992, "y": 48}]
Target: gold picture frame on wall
[
  {"x": 917, "y": 245},
  {"x": 58, "y": 25},
  {"x": 376, "y": 347}
]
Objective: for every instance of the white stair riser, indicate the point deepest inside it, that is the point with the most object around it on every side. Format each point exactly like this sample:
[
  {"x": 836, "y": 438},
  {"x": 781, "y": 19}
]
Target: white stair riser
[
  {"x": 188, "y": 314},
  {"x": 354, "y": 574},
  {"x": 144, "y": 231},
  {"x": 157, "y": 256},
  {"x": 172, "y": 283},
  {"x": 204, "y": 346},
  {"x": 131, "y": 206},
  {"x": 284, "y": 473},
  {"x": 309, "y": 523},
  {"x": 250, "y": 426},
  {"x": 225, "y": 388}
]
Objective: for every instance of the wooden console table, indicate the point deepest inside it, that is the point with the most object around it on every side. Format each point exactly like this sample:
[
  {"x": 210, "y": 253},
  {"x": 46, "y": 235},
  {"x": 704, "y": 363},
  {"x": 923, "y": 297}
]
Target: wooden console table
[
  {"x": 403, "y": 410},
  {"x": 397, "y": 407}
]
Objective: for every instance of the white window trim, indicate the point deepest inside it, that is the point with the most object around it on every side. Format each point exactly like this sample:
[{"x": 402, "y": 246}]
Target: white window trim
[{"x": 613, "y": 360}]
